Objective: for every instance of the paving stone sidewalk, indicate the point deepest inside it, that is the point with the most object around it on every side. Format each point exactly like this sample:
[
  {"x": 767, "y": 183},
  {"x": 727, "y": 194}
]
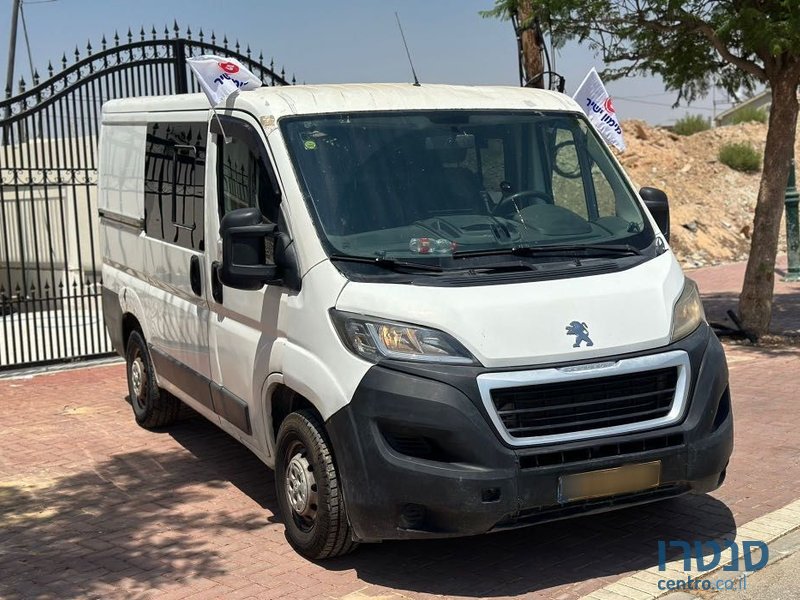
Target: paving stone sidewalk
[{"x": 91, "y": 506}]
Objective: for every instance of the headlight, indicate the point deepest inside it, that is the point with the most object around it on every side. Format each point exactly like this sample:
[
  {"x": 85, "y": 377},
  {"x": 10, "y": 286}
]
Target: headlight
[
  {"x": 688, "y": 312},
  {"x": 374, "y": 339}
]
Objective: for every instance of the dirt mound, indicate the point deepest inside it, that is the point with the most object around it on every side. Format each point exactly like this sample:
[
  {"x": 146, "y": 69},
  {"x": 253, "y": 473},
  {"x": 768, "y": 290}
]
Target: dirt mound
[{"x": 711, "y": 205}]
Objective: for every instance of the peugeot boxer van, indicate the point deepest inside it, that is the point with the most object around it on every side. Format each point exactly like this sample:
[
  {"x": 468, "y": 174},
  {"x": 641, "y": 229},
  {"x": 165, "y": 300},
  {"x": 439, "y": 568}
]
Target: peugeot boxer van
[{"x": 432, "y": 310}]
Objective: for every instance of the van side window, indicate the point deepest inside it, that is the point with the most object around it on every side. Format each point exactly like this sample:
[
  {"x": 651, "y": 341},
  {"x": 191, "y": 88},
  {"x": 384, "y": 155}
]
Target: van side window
[
  {"x": 243, "y": 172},
  {"x": 174, "y": 183}
]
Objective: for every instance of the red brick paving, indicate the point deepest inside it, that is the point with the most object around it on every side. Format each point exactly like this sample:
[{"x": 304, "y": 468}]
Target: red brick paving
[{"x": 92, "y": 506}]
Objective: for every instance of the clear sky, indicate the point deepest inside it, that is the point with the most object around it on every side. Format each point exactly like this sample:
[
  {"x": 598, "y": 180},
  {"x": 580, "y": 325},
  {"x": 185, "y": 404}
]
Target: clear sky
[{"x": 333, "y": 41}]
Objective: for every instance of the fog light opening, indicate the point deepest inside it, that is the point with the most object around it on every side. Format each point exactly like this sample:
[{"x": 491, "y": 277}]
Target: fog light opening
[
  {"x": 412, "y": 517},
  {"x": 490, "y": 495}
]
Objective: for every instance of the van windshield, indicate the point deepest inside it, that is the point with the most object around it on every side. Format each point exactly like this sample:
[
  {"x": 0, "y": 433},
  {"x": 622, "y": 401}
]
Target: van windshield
[{"x": 418, "y": 185}]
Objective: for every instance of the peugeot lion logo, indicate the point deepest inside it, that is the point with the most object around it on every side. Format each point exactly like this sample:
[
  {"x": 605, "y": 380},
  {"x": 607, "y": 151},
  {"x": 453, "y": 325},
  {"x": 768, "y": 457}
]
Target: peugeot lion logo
[{"x": 581, "y": 333}]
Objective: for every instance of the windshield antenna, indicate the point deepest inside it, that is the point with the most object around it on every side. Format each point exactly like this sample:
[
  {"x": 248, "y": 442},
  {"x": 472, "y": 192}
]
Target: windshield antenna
[{"x": 400, "y": 27}]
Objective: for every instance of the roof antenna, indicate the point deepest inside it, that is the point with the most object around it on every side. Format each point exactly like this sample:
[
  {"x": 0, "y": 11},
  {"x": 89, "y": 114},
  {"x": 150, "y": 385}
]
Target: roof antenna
[{"x": 400, "y": 27}]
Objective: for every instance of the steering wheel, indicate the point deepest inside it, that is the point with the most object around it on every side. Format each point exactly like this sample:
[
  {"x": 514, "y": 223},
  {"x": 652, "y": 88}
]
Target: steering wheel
[{"x": 532, "y": 196}]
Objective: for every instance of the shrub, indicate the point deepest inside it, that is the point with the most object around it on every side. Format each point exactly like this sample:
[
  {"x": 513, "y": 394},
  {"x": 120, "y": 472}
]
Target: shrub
[
  {"x": 740, "y": 157},
  {"x": 691, "y": 124},
  {"x": 749, "y": 114}
]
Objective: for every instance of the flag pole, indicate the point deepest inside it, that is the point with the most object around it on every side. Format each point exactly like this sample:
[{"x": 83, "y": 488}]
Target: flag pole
[{"x": 225, "y": 138}]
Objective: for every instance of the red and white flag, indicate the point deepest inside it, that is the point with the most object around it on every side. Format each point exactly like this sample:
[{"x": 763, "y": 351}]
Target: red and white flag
[
  {"x": 596, "y": 103},
  {"x": 220, "y": 77}
]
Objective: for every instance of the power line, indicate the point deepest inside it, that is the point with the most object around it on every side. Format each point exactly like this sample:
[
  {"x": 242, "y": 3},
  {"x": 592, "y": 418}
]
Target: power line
[
  {"x": 27, "y": 39},
  {"x": 637, "y": 101}
]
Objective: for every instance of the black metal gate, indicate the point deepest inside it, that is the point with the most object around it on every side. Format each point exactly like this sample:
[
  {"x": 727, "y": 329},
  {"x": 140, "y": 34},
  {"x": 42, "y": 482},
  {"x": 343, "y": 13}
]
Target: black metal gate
[{"x": 50, "y": 270}]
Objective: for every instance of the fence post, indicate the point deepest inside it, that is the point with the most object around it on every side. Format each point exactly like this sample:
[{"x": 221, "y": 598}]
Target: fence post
[
  {"x": 791, "y": 201},
  {"x": 179, "y": 50}
]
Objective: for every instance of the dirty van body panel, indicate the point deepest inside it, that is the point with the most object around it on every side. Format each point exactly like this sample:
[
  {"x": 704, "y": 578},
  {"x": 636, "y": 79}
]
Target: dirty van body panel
[
  {"x": 526, "y": 323},
  {"x": 420, "y": 456}
]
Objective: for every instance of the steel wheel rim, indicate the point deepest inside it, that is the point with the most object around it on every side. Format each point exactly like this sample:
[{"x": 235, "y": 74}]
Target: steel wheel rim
[
  {"x": 301, "y": 490},
  {"x": 138, "y": 380}
]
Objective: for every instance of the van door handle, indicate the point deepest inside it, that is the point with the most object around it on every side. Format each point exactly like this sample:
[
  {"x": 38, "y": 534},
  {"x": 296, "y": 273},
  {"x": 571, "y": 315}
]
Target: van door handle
[{"x": 194, "y": 276}]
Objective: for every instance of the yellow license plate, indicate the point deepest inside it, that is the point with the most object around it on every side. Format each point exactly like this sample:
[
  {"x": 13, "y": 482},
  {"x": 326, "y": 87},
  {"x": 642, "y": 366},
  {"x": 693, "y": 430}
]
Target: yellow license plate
[{"x": 609, "y": 482}]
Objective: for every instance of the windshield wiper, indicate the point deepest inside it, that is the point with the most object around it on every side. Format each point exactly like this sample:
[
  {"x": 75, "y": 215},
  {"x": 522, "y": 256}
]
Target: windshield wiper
[
  {"x": 557, "y": 249},
  {"x": 387, "y": 263}
]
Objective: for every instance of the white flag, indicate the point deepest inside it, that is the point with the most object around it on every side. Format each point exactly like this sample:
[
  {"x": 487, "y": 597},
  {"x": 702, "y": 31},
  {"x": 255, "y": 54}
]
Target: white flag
[
  {"x": 596, "y": 103},
  {"x": 220, "y": 77}
]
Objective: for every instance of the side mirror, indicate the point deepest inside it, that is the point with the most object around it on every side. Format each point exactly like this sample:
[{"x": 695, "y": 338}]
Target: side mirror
[
  {"x": 247, "y": 250},
  {"x": 657, "y": 203}
]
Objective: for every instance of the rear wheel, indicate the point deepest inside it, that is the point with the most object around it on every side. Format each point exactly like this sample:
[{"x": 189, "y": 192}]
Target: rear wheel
[
  {"x": 309, "y": 490},
  {"x": 152, "y": 406}
]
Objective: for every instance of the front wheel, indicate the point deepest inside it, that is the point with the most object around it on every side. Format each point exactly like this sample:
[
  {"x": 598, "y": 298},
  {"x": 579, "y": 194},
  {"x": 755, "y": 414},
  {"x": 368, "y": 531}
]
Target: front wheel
[
  {"x": 152, "y": 406},
  {"x": 309, "y": 490}
]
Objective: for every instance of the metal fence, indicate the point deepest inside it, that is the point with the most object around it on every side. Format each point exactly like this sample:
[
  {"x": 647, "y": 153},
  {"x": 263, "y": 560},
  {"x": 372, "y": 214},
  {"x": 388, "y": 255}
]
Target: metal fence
[{"x": 50, "y": 268}]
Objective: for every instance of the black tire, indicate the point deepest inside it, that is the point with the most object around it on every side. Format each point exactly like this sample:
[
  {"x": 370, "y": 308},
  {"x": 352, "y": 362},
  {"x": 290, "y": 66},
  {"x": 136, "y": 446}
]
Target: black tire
[
  {"x": 320, "y": 530},
  {"x": 152, "y": 406}
]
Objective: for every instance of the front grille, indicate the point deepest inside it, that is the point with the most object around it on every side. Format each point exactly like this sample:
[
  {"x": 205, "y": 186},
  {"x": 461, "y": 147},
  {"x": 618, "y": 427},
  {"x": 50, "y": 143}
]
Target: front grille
[
  {"x": 583, "y": 405},
  {"x": 598, "y": 451}
]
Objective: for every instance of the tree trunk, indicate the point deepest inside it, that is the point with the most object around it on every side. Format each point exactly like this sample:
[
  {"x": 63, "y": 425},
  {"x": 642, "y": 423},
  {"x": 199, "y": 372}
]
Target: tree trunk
[
  {"x": 532, "y": 59},
  {"x": 755, "y": 302}
]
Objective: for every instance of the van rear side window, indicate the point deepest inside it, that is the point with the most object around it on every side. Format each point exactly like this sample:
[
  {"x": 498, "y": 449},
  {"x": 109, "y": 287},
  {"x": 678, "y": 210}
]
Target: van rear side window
[{"x": 174, "y": 183}]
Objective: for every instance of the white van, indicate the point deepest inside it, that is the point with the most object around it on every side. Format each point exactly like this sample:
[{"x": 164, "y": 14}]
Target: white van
[{"x": 433, "y": 311}]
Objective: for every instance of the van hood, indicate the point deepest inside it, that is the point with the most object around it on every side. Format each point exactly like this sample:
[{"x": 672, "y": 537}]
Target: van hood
[{"x": 537, "y": 322}]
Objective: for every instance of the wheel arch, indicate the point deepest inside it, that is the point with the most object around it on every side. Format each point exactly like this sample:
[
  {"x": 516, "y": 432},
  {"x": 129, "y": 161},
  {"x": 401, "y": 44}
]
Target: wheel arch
[{"x": 280, "y": 401}]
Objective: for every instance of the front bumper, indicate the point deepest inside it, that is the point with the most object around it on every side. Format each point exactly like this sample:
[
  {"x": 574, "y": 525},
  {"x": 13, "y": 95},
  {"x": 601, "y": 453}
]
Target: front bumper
[{"x": 419, "y": 457}]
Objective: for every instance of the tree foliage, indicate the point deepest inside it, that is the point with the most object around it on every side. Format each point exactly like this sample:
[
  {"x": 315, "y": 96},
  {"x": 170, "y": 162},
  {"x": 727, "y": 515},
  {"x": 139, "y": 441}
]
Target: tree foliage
[{"x": 690, "y": 43}]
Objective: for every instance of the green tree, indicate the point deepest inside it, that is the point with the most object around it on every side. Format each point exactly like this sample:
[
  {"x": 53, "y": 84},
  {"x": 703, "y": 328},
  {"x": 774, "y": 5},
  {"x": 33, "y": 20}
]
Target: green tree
[
  {"x": 690, "y": 44},
  {"x": 523, "y": 15}
]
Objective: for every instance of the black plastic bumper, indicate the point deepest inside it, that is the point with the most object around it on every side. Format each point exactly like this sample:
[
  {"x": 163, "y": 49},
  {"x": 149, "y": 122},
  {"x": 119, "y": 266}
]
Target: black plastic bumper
[{"x": 419, "y": 458}]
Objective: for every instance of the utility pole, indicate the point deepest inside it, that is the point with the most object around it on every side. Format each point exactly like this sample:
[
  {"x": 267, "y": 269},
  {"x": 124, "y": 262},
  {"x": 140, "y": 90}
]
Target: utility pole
[{"x": 12, "y": 45}]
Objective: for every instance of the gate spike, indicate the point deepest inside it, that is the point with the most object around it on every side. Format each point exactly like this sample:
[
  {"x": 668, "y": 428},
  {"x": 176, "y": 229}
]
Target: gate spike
[
  {"x": 77, "y": 54},
  {"x": 130, "y": 35},
  {"x": 188, "y": 33},
  {"x": 36, "y": 77},
  {"x": 103, "y": 42},
  {"x": 225, "y": 41},
  {"x": 153, "y": 32},
  {"x": 261, "y": 58},
  {"x": 237, "y": 46},
  {"x": 49, "y": 69},
  {"x": 166, "y": 32},
  {"x": 89, "y": 47},
  {"x": 8, "y": 92},
  {"x": 21, "y": 84},
  {"x": 141, "y": 33},
  {"x": 176, "y": 29},
  {"x": 116, "y": 38},
  {"x": 201, "y": 34},
  {"x": 63, "y": 60},
  {"x": 294, "y": 81},
  {"x": 248, "y": 50},
  {"x": 213, "y": 38}
]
